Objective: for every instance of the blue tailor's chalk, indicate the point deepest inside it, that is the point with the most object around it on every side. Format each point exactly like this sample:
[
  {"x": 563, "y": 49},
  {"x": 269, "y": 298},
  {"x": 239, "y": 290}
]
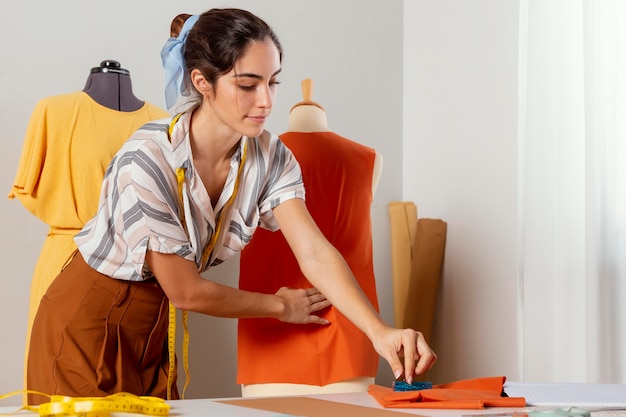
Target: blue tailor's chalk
[{"x": 414, "y": 386}]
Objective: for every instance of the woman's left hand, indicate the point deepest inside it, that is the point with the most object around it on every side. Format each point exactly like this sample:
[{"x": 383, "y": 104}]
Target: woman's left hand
[
  {"x": 327, "y": 271},
  {"x": 406, "y": 351}
]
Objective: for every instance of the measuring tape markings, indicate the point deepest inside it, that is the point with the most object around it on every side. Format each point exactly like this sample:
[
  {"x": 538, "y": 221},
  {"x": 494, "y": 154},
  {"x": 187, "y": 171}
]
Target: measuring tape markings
[
  {"x": 206, "y": 255},
  {"x": 61, "y": 405}
]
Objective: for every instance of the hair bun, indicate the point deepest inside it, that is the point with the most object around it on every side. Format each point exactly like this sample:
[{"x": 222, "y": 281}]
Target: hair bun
[{"x": 177, "y": 24}]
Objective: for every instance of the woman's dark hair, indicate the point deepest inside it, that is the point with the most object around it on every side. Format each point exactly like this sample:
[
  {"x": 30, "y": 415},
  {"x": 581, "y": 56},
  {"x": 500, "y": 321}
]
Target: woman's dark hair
[
  {"x": 220, "y": 37},
  {"x": 177, "y": 24}
]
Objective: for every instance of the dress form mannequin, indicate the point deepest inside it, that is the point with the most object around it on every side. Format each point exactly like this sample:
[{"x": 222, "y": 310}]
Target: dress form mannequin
[
  {"x": 307, "y": 124},
  {"x": 69, "y": 142},
  {"x": 110, "y": 86},
  {"x": 309, "y": 116}
]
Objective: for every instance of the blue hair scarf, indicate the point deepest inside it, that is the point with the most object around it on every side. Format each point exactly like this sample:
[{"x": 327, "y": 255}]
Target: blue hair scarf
[{"x": 174, "y": 64}]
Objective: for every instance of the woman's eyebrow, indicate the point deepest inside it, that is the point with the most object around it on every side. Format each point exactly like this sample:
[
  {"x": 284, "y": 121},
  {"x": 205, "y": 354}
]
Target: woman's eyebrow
[{"x": 255, "y": 76}]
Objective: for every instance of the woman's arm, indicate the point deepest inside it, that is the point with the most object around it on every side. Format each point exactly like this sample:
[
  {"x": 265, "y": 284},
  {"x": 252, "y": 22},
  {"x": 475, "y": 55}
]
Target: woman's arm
[
  {"x": 187, "y": 290},
  {"x": 326, "y": 269}
]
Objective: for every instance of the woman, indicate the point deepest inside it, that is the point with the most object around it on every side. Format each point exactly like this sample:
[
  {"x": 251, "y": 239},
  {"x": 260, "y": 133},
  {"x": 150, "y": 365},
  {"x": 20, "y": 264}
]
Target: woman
[{"x": 182, "y": 195}]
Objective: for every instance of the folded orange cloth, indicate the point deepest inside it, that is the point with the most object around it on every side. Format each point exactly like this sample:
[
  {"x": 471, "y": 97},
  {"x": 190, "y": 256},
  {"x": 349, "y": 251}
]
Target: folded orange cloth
[{"x": 475, "y": 393}]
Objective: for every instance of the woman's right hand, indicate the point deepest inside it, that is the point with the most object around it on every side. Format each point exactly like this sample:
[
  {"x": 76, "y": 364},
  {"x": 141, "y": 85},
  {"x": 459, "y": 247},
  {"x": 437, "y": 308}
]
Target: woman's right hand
[
  {"x": 301, "y": 303},
  {"x": 188, "y": 290}
]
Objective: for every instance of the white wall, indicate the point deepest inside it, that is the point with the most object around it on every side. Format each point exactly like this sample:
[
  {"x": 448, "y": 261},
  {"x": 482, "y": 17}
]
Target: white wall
[
  {"x": 460, "y": 164},
  {"x": 351, "y": 49}
]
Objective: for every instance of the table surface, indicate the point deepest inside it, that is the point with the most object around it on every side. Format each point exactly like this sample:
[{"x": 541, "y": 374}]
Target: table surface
[
  {"x": 224, "y": 407},
  {"x": 357, "y": 404}
]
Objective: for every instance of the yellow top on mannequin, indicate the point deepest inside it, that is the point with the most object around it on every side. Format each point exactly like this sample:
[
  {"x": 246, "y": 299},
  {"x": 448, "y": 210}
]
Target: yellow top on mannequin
[{"x": 309, "y": 116}]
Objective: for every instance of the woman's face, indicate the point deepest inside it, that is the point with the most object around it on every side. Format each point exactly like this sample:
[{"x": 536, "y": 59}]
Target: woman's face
[{"x": 244, "y": 97}]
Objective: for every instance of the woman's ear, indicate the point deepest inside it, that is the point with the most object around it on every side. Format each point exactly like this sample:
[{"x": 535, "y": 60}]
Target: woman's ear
[{"x": 199, "y": 82}]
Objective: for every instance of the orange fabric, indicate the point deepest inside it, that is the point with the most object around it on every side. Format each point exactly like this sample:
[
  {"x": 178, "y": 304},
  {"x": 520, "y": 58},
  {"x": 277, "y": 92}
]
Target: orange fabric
[
  {"x": 465, "y": 394},
  {"x": 337, "y": 175}
]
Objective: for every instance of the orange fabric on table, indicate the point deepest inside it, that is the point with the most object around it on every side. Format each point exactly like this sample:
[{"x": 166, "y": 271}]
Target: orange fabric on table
[
  {"x": 337, "y": 175},
  {"x": 475, "y": 393}
]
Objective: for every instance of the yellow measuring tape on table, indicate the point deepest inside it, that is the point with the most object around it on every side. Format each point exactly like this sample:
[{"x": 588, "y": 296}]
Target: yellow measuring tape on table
[{"x": 62, "y": 406}]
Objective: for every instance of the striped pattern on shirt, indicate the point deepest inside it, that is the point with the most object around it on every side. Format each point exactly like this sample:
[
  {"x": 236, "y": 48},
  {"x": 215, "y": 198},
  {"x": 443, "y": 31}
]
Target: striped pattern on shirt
[{"x": 139, "y": 206}]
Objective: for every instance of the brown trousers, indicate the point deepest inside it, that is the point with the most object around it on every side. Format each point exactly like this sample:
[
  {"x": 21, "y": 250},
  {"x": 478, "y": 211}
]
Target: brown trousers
[{"x": 95, "y": 336}]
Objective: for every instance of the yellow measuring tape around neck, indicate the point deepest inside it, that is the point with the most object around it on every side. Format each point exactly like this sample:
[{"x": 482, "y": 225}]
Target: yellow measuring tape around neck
[
  {"x": 123, "y": 402},
  {"x": 206, "y": 256}
]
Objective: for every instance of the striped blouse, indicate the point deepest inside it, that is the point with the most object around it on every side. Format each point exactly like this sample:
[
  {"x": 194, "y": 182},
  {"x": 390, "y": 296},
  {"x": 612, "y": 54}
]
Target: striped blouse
[{"x": 139, "y": 207}]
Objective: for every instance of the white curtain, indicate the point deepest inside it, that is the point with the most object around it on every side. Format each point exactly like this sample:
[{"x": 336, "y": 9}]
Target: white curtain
[{"x": 572, "y": 206}]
